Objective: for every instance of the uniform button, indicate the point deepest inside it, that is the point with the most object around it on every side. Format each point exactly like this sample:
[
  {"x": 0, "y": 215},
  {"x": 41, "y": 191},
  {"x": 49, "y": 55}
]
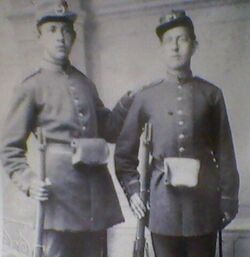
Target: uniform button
[
  {"x": 80, "y": 114},
  {"x": 181, "y": 122},
  {"x": 179, "y": 98},
  {"x": 83, "y": 128},
  {"x": 180, "y": 87},
  {"x": 179, "y": 112},
  {"x": 214, "y": 160},
  {"x": 76, "y": 100},
  {"x": 91, "y": 219},
  {"x": 217, "y": 166},
  {"x": 181, "y": 149},
  {"x": 181, "y": 136}
]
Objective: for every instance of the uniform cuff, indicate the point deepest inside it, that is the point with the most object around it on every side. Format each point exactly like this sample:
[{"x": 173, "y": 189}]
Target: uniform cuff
[
  {"x": 133, "y": 187},
  {"x": 229, "y": 205}
]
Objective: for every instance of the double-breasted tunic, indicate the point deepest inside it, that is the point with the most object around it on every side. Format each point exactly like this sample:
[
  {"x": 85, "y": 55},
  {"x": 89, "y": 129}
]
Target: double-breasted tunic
[
  {"x": 65, "y": 104},
  {"x": 189, "y": 119}
]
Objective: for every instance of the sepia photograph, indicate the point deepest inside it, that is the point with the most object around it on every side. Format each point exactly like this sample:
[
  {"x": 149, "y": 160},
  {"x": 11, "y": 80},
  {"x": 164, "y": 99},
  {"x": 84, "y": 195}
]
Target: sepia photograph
[{"x": 124, "y": 128}]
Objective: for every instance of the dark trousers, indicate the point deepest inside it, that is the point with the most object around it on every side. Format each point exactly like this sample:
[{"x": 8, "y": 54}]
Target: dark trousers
[
  {"x": 74, "y": 244},
  {"x": 198, "y": 246}
]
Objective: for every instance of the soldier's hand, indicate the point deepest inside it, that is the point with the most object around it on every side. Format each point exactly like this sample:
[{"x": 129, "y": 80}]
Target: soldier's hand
[
  {"x": 127, "y": 99},
  {"x": 137, "y": 206},
  {"x": 226, "y": 219},
  {"x": 39, "y": 190}
]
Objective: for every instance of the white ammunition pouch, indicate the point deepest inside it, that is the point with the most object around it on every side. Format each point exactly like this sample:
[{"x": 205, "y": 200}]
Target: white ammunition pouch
[
  {"x": 181, "y": 172},
  {"x": 89, "y": 152}
]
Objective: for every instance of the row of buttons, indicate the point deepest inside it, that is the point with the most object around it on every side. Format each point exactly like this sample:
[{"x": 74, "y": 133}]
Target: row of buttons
[
  {"x": 81, "y": 115},
  {"x": 214, "y": 160},
  {"x": 76, "y": 101},
  {"x": 180, "y": 122}
]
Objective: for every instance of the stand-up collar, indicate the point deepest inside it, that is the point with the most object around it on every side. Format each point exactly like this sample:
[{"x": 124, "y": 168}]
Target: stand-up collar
[
  {"x": 181, "y": 78},
  {"x": 56, "y": 67}
]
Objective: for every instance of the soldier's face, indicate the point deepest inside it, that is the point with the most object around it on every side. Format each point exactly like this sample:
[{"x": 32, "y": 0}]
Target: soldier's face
[
  {"x": 178, "y": 48},
  {"x": 57, "y": 39}
]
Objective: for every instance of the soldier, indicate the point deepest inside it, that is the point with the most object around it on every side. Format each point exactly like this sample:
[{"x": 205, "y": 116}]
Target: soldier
[
  {"x": 80, "y": 199},
  {"x": 194, "y": 180}
]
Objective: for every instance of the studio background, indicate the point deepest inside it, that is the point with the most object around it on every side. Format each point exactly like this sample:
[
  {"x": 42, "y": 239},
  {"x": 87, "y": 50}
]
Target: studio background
[{"x": 117, "y": 48}]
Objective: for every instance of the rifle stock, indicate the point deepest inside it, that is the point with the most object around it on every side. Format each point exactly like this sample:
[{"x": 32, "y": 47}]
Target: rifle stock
[
  {"x": 140, "y": 242},
  {"x": 38, "y": 247}
]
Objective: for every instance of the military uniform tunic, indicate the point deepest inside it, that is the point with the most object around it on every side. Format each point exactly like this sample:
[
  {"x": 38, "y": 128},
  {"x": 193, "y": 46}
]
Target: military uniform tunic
[
  {"x": 65, "y": 103},
  {"x": 189, "y": 119}
]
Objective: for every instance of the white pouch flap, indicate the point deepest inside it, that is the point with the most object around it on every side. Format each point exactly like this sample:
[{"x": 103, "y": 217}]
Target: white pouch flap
[
  {"x": 182, "y": 172},
  {"x": 90, "y": 151}
]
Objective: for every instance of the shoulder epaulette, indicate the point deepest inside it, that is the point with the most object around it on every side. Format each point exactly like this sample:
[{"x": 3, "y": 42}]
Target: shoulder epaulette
[
  {"x": 206, "y": 83},
  {"x": 32, "y": 75},
  {"x": 152, "y": 84}
]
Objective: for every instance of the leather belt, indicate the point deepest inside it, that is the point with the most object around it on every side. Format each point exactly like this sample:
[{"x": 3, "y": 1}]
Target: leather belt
[
  {"x": 59, "y": 146},
  {"x": 158, "y": 164}
]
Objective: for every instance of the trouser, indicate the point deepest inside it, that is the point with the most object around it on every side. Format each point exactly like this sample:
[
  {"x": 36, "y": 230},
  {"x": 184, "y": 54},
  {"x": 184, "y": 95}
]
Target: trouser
[
  {"x": 74, "y": 244},
  {"x": 197, "y": 246}
]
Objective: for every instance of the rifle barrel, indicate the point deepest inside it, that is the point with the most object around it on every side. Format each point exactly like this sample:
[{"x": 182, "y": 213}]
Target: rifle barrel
[
  {"x": 38, "y": 247},
  {"x": 139, "y": 244}
]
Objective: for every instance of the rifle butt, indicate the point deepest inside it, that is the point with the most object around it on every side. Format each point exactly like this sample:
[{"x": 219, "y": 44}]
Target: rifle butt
[{"x": 38, "y": 247}]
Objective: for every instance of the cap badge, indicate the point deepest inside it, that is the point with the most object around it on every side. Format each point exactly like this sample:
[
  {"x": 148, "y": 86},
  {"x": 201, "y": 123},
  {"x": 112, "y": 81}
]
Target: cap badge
[
  {"x": 61, "y": 8},
  {"x": 172, "y": 16}
]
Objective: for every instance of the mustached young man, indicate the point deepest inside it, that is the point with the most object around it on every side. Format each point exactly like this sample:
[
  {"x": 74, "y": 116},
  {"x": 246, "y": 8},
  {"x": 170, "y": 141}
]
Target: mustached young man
[
  {"x": 194, "y": 180},
  {"x": 79, "y": 196}
]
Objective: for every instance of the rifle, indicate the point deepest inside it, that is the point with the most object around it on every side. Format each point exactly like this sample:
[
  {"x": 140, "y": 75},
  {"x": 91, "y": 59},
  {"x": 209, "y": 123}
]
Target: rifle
[
  {"x": 38, "y": 247},
  {"x": 220, "y": 244},
  {"x": 140, "y": 244}
]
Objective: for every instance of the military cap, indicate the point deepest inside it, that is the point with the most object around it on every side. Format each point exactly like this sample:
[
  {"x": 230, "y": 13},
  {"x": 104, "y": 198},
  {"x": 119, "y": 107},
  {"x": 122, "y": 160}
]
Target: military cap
[
  {"x": 174, "y": 19},
  {"x": 54, "y": 10}
]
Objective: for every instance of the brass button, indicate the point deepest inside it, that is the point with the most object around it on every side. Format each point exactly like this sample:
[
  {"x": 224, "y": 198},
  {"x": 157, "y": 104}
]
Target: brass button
[
  {"x": 179, "y": 98},
  {"x": 181, "y": 136},
  {"x": 181, "y": 149},
  {"x": 181, "y": 122},
  {"x": 179, "y": 112}
]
